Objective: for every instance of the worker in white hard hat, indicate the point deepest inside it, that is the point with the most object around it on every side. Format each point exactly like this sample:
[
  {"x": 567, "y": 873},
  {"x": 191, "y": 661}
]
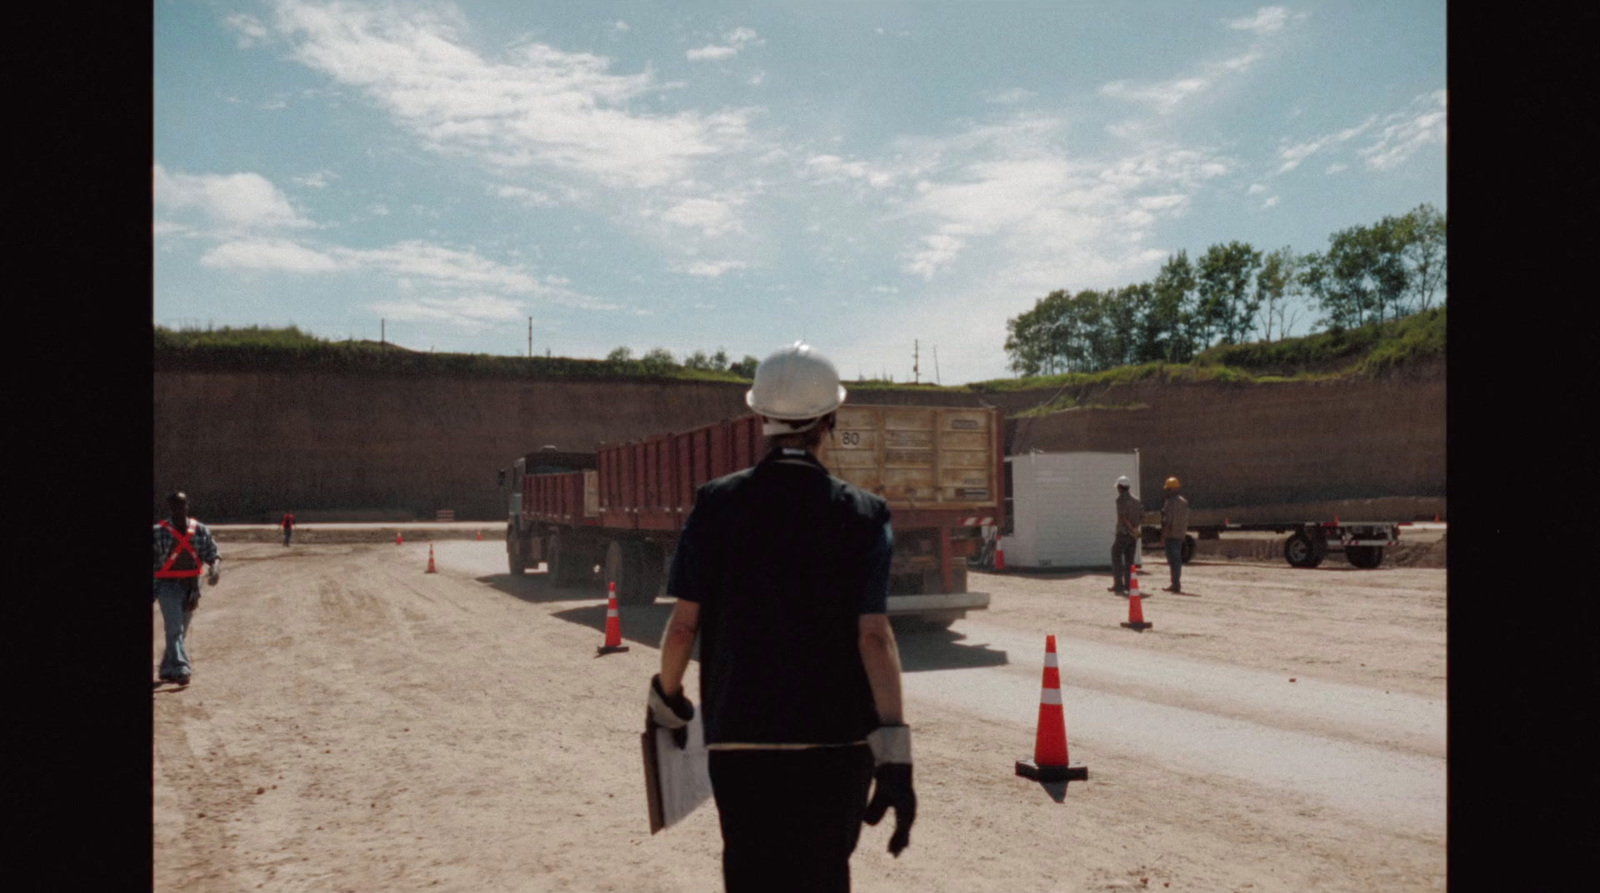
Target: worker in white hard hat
[
  {"x": 782, "y": 573},
  {"x": 1125, "y": 540},
  {"x": 1174, "y": 527}
]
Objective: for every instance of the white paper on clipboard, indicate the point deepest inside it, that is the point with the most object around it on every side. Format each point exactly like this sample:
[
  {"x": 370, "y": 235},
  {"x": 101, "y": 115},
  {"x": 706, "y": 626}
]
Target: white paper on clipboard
[{"x": 676, "y": 781}]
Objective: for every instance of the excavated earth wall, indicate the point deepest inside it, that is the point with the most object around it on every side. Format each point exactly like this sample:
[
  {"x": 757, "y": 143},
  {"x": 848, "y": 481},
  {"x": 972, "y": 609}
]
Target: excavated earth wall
[{"x": 248, "y": 446}]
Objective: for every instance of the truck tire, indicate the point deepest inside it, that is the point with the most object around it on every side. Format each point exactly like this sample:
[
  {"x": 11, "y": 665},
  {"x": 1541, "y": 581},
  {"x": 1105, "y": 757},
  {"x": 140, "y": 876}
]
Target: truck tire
[
  {"x": 628, "y": 568},
  {"x": 569, "y": 566},
  {"x": 1302, "y": 550},
  {"x": 514, "y": 559},
  {"x": 1366, "y": 557},
  {"x": 1186, "y": 554}
]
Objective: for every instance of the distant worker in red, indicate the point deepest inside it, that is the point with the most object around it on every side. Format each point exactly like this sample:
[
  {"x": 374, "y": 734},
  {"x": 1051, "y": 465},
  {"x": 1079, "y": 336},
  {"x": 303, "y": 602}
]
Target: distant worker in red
[
  {"x": 1174, "y": 527},
  {"x": 288, "y": 526},
  {"x": 182, "y": 547}
]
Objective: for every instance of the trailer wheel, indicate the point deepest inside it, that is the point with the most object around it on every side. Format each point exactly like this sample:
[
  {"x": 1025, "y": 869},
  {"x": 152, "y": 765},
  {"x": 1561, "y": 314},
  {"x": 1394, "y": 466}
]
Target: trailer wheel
[
  {"x": 1304, "y": 551},
  {"x": 514, "y": 558},
  {"x": 629, "y": 570},
  {"x": 1366, "y": 557},
  {"x": 1186, "y": 554},
  {"x": 568, "y": 566}
]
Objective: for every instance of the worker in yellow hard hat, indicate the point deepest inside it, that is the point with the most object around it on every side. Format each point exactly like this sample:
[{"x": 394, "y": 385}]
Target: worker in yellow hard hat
[{"x": 1174, "y": 527}]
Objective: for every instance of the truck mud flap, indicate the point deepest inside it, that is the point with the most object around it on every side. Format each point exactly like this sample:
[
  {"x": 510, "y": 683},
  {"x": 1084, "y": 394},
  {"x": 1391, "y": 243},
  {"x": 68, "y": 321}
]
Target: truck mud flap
[{"x": 941, "y": 602}]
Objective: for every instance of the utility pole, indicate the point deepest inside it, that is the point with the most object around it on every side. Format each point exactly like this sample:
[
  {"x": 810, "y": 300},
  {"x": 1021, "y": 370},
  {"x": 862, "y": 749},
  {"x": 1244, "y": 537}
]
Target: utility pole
[
  {"x": 936, "y": 364},
  {"x": 530, "y": 337},
  {"x": 383, "y": 336},
  {"x": 916, "y": 375}
]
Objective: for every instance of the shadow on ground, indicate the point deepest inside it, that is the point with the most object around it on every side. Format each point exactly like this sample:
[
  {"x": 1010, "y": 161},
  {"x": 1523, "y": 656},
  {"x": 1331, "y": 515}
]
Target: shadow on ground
[
  {"x": 921, "y": 647},
  {"x": 536, "y": 587}
]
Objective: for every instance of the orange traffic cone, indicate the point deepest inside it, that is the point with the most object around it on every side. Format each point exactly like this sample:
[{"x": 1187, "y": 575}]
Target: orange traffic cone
[
  {"x": 1436, "y": 517},
  {"x": 431, "y": 569},
  {"x": 1135, "y": 619},
  {"x": 613, "y": 626},
  {"x": 480, "y": 534},
  {"x": 1050, "y": 761},
  {"x": 999, "y": 556},
  {"x": 398, "y": 540}
]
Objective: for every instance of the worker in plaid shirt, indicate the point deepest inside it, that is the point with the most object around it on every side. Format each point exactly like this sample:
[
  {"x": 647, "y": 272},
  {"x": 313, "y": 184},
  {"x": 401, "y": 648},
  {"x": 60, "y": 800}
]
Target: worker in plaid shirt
[{"x": 182, "y": 546}]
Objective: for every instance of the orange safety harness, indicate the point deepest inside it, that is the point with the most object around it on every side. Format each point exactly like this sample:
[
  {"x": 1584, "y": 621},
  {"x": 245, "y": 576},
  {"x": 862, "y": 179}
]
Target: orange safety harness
[{"x": 184, "y": 544}]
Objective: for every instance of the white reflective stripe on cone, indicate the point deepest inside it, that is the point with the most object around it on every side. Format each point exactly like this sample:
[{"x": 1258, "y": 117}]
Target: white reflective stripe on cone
[
  {"x": 1050, "y": 696},
  {"x": 1051, "y": 660}
]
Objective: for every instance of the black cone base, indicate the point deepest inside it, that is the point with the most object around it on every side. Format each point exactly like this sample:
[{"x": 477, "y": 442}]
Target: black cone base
[
  {"x": 610, "y": 649},
  {"x": 1141, "y": 627},
  {"x": 1069, "y": 772}
]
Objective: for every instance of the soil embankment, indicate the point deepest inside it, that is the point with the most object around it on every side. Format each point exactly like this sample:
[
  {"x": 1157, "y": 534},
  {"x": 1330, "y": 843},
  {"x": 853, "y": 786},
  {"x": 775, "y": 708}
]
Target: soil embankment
[{"x": 251, "y": 445}]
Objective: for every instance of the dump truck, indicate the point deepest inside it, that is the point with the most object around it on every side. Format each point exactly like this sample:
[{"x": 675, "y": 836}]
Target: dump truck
[{"x": 614, "y": 515}]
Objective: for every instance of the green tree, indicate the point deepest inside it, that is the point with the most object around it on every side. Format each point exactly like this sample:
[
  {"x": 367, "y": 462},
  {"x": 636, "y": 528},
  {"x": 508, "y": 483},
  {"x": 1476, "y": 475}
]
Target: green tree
[
  {"x": 699, "y": 361},
  {"x": 657, "y": 360},
  {"x": 1424, "y": 247},
  {"x": 1169, "y": 335},
  {"x": 745, "y": 368},
  {"x": 1227, "y": 306},
  {"x": 1273, "y": 285},
  {"x": 620, "y": 355},
  {"x": 1035, "y": 339}
]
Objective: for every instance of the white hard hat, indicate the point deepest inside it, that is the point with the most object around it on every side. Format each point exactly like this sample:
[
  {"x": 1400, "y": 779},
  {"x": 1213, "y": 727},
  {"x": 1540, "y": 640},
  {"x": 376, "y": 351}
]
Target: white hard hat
[
  {"x": 1124, "y": 482},
  {"x": 795, "y": 383}
]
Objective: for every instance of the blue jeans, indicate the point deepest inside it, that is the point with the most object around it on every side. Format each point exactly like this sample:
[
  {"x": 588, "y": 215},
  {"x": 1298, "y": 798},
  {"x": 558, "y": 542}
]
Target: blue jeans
[
  {"x": 1174, "y": 559},
  {"x": 175, "y": 617}
]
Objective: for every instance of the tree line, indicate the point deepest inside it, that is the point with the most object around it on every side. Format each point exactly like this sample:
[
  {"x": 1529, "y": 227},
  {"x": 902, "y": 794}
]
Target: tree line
[
  {"x": 1234, "y": 293},
  {"x": 660, "y": 359}
]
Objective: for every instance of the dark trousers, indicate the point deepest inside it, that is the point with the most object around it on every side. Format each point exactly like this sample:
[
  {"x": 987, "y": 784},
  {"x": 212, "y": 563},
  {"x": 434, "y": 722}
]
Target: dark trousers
[
  {"x": 1122, "y": 552},
  {"x": 790, "y": 818}
]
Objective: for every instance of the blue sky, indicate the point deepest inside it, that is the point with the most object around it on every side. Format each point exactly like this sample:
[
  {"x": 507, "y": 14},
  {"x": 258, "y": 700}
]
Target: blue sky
[{"x": 867, "y": 176}]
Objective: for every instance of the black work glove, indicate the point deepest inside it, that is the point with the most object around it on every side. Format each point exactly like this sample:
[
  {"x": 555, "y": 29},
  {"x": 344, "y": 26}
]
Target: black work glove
[
  {"x": 671, "y": 713},
  {"x": 891, "y": 751}
]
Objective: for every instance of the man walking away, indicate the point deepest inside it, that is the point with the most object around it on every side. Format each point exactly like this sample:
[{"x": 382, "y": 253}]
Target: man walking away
[
  {"x": 782, "y": 572},
  {"x": 1174, "y": 527},
  {"x": 182, "y": 546},
  {"x": 1130, "y": 514},
  {"x": 288, "y": 526}
]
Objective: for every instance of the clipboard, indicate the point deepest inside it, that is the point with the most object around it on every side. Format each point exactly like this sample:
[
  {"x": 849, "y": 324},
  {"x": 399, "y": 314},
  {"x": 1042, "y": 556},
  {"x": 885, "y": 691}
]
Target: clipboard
[{"x": 676, "y": 781}]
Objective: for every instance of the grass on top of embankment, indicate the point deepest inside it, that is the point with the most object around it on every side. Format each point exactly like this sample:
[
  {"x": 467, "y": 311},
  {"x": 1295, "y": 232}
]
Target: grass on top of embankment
[{"x": 1368, "y": 350}]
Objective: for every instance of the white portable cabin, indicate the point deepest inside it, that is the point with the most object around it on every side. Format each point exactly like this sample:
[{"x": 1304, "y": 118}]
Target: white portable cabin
[{"x": 1061, "y": 507}]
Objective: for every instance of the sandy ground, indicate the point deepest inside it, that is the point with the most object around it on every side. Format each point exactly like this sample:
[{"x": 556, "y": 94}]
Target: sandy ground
[{"x": 357, "y": 724}]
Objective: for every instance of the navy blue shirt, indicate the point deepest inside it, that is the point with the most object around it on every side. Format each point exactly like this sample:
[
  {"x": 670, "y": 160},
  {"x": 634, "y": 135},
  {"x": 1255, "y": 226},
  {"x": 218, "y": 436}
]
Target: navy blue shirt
[{"x": 783, "y": 559}]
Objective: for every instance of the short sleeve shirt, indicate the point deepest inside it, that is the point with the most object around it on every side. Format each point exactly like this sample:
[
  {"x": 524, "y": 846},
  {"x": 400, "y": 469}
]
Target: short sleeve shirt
[{"x": 783, "y": 559}]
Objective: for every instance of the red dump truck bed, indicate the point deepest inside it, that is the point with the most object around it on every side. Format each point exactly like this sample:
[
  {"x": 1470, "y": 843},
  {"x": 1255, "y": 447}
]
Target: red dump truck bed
[{"x": 939, "y": 468}]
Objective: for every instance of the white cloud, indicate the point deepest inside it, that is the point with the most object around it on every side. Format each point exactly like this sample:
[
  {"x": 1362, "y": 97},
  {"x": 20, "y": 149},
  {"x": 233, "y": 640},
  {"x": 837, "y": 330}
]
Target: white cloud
[
  {"x": 1163, "y": 97},
  {"x": 249, "y": 29},
  {"x": 1410, "y": 131},
  {"x": 1256, "y": 188},
  {"x": 1008, "y": 97},
  {"x": 1267, "y": 20},
  {"x": 711, "y": 52},
  {"x": 737, "y": 39},
  {"x": 532, "y": 198},
  {"x": 620, "y": 25},
  {"x": 1336, "y": 168},
  {"x": 239, "y": 202},
  {"x": 1271, "y": 202},
  {"x": 713, "y": 217},
  {"x": 538, "y": 107},
  {"x": 710, "y": 269},
  {"x": 316, "y": 179},
  {"x": 1041, "y": 213},
  {"x": 471, "y": 312},
  {"x": 269, "y": 254},
  {"x": 378, "y": 209}
]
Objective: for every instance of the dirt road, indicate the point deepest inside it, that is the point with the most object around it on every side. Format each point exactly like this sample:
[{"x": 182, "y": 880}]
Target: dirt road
[{"x": 357, "y": 724}]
